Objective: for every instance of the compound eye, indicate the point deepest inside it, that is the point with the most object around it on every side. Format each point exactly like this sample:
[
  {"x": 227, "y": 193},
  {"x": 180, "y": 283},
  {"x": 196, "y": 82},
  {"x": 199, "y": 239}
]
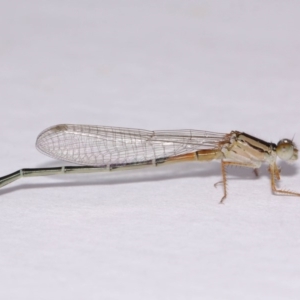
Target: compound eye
[{"x": 285, "y": 149}]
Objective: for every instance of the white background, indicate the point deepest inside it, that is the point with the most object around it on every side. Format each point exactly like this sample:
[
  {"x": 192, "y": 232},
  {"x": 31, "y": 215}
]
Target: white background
[{"x": 157, "y": 233}]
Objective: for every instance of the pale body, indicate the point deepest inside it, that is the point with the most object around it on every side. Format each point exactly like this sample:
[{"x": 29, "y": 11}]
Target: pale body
[{"x": 100, "y": 148}]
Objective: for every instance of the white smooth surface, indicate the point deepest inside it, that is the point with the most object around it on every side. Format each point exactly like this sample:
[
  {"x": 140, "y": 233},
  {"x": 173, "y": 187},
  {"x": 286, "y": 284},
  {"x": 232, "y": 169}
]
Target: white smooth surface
[{"x": 155, "y": 233}]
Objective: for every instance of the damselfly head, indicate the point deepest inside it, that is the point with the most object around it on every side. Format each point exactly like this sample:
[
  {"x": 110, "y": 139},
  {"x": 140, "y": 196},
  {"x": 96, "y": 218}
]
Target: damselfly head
[{"x": 287, "y": 150}]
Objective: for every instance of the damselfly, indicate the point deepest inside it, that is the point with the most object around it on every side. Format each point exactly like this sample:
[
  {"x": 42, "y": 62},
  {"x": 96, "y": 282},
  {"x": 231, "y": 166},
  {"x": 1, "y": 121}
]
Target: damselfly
[{"x": 101, "y": 148}]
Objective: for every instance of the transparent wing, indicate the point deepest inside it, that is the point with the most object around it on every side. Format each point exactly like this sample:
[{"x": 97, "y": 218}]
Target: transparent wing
[{"x": 100, "y": 145}]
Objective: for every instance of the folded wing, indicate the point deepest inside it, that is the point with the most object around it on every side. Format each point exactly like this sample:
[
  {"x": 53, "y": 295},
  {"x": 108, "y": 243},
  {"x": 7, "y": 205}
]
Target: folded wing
[{"x": 100, "y": 145}]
